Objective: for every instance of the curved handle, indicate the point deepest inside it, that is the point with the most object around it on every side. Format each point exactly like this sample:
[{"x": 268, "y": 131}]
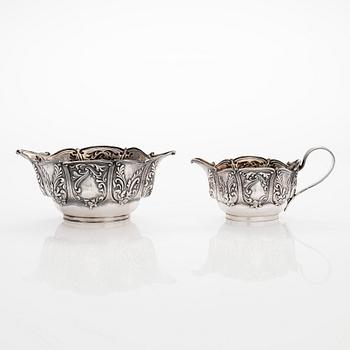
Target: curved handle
[{"x": 303, "y": 164}]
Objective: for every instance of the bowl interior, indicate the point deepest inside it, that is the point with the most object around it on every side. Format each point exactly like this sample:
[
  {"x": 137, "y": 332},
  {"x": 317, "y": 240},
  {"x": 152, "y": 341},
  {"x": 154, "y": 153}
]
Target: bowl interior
[
  {"x": 98, "y": 153},
  {"x": 254, "y": 162}
]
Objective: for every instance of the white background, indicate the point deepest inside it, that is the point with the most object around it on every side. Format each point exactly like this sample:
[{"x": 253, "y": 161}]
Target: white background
[{"x": 213, "y": 79}]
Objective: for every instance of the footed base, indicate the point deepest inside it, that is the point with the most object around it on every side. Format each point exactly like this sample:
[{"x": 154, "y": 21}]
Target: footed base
[
  {"x": 251, "y": 218},
  {"x": 96, "y": 219}
]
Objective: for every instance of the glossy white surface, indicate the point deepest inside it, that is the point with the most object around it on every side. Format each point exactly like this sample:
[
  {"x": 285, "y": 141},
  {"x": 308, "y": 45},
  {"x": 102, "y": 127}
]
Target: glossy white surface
[
  {"x": 200, "y": 284},
  {"x": 208, "y": 79}
]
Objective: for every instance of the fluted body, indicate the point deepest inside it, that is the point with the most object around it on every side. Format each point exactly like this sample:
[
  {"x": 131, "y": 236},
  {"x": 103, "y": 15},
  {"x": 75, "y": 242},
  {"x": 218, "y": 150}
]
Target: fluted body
[
  {"x": 96, "y": 183},
  {"x": 253, "y": 188}
]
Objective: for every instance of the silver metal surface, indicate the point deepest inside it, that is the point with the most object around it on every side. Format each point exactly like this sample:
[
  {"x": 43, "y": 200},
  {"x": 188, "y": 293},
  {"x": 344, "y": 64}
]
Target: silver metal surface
[
  {"x": 251, "y": 188},
  {"x": 95, "y": 184}
]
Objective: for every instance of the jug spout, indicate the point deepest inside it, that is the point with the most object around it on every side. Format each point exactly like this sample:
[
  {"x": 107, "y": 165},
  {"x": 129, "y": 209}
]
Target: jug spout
[
  {"x": 203, "y": 164},
  {"x": 32, "y": 156}
]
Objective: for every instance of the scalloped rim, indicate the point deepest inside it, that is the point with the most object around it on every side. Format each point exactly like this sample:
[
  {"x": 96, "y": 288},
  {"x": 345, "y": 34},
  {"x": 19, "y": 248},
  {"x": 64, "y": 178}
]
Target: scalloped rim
[
  {"x": 112, "y": 148},
  {"x": 80, "y": 153},
  {"x": 266, "y": 163}
]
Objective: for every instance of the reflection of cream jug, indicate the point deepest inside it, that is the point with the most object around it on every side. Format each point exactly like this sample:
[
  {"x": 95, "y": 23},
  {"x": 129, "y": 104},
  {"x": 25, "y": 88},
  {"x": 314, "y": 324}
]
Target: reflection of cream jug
[
  {"x": 98, "y": 258},
  {"x": 255, "y": 251}
]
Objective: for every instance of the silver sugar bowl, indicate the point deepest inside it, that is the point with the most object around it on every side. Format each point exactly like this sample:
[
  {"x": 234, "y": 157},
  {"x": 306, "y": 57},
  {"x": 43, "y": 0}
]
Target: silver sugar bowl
[
  {"x": 95, "y": 184},
  {"x": 251, "y": 188}
]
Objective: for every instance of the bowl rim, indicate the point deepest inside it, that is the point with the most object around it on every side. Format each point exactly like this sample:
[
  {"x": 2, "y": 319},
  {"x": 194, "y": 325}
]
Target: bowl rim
[
  {"x": 255, "y": 163},
  {"x": 105, "y": 155}
]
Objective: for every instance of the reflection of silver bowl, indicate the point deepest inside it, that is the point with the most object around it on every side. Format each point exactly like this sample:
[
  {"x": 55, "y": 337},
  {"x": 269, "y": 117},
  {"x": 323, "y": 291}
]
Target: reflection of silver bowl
[
  {"x": 98, "y": 258},
  {"x": 256, "y": 251},
  {"x": 253, "y": 188},
  {"x": 95, "y": 184}
]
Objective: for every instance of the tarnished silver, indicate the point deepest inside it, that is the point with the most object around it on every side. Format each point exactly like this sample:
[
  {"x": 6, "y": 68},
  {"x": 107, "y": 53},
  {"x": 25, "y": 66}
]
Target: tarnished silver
[
  {"x": 251, "y": 188},
  {"x": 95, "y": 184}
]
